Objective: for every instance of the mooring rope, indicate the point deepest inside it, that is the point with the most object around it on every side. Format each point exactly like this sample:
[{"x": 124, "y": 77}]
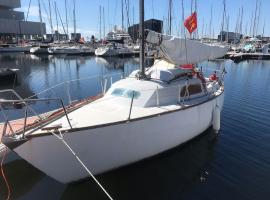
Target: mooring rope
[
  {"x": 3, "y": 174},
  {"x": 61, "y": 138}
]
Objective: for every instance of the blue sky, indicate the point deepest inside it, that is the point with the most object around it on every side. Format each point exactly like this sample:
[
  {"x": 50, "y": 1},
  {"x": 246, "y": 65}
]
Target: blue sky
[{"x": 87, "y": 13}]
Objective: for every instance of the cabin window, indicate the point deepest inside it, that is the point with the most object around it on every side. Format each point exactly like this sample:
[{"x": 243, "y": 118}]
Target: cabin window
[
  {"x": 192, "y": 89},
  {"x": 122, "y": 92}
]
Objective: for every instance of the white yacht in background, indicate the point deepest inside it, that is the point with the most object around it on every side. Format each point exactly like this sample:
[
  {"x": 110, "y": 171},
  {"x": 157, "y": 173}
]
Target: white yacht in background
[
  {"x": 41, "y": 49},
  {"x": 64, "y": 50},
  {"x": 114, "y": 49},
  {"x": 71, "y": 50}
]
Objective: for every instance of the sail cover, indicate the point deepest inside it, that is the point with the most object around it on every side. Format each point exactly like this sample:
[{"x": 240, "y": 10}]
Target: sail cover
[{"x": 184, "y": 51}]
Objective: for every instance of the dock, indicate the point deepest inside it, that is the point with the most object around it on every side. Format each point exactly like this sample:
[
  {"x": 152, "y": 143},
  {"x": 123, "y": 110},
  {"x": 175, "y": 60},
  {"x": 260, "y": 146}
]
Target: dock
[{"x": 238, "y": 57}]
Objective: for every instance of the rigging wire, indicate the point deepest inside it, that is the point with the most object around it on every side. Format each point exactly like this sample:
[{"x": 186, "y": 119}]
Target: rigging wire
[{"x": 28, "y": 10}]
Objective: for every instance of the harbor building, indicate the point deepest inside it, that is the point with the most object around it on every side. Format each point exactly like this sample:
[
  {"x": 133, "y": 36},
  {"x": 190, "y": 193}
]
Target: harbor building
[
  {"x": 230, "y": 37},
  {"x": 151, "y": 24},
  {"x": 13, "y": 25}
]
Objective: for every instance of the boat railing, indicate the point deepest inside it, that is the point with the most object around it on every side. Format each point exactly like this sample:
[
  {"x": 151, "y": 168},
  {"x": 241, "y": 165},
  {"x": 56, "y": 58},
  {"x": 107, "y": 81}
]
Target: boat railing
[
  {"x": 31, "y": 105},
  {"x": 38, "y": 118},
  {"x": 105, "y": 81}
]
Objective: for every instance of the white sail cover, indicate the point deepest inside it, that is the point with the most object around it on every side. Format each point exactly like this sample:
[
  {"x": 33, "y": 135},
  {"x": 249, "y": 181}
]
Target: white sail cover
[{"x": 184, "y": 51}]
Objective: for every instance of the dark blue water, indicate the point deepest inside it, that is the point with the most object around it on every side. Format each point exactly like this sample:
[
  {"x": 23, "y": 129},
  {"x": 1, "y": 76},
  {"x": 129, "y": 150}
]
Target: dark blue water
[{"x": 233, "y": 165}]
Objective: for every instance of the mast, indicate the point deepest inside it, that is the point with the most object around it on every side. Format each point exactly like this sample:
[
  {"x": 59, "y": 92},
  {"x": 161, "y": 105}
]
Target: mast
[
  {"x": 170, "y": 17},
  {"x": 122, "y": 4},
  {"x": 40, "y": 18},
  {"x": 258, "y": 19},
  {"x": 103, "y": 22},
  {"x": 50, "y": 11},
  {"x": 241, "y": 21},
  {"x": 66, "y": 17},
  {"x": 183, "y": 33},
  {"x": 210, "y": 26},
  {"x": 56, "y": 20},
  {"x": 197, "y": 29},
  {"x": 263, "y": 28},
  {"x": 255, "y": 17},
  {"x": 250, "y": 28},
  {"x": 100, "y": 22},
  {"x": 223, "y": 20},
  {"x": 141, "y": 36},
  {"x": 202, "y": 28},
  {"x": 74, "y": 18}
]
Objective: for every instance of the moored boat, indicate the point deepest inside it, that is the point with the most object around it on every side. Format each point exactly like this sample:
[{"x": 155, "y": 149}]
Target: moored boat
[
  {"x": 7, "y": 73},
  {"x": 114, "y": 49},
  {"x": 42, "y": 49},
  {"x": 145, "y": 114}
]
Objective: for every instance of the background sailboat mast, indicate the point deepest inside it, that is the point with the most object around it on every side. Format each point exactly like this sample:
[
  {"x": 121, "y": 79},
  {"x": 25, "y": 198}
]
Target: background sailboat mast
[
  {"x": 56, "y": 17},
  {"x": 66, "y": 17},
  {"x": 100, "y": 22},
  {"x": 210, "y": 25},
  {"x": 255, "y": 17},
  {"x": 170, "y": 17},
  {"x": 74, "y": 17},
  {"x": 103, "y": 12},
  {"x": 142, "y": 67},
  {"x": 40, "y": 18},
  {"x": 122, "y": 4},
  {"x": 50, "y": 12}
]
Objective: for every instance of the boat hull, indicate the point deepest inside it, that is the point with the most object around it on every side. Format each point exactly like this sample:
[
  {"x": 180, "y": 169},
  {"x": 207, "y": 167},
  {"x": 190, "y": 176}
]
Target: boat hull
[{"x": 112, "y": 146}]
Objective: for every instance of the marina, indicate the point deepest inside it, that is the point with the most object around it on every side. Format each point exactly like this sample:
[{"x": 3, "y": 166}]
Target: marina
[
  {"x": 137, "y": 107},
  {"x": 196, "y": 166}
]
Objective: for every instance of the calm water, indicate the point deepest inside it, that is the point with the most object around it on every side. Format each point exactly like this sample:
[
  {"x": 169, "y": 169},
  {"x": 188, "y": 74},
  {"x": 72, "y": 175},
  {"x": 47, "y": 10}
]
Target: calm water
[{"x": 233, "y": 165}]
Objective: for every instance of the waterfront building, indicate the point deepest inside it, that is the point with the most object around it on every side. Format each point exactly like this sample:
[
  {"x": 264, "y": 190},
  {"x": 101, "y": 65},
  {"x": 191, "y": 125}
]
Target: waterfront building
[
  {"x": 56, "y": 36},
  {"x": 151, "y": 24},
  {"x": 13, "y": 25},
  {"x": 230, "y": 37}
]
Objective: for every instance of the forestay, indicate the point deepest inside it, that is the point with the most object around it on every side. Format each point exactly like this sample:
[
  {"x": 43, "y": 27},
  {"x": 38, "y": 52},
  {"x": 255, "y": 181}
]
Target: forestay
[{"x": 184, "y": 51}]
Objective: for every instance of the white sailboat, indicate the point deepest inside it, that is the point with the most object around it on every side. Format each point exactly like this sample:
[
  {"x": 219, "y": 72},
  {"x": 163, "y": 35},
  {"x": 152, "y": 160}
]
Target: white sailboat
[
  {"x": 42, "y": 49},
  {"x": 71, "y": 50},
  {"x": 140, "y": 116},
  {"x": 113, "y": 49}
]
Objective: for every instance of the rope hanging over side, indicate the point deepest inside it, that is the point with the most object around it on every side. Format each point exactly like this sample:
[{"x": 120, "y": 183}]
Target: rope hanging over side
[{"x": 4, "y": 176}]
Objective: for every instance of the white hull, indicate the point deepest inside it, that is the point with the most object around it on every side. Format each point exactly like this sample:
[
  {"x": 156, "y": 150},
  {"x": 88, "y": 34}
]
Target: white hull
[
  {"x": 112, "y": 146},
  {"x": 106, "y": 52},
  {"x": 65, "y": 51},
  {"x": 38, "y": 50}
]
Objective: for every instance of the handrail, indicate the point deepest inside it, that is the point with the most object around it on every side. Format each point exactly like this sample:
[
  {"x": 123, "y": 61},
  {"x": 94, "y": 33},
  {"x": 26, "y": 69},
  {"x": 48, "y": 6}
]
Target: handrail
[
  {"x": 21, "y": 100},
  {"x": 26, "y": 101},
  {"x": 73, "y": 80}
]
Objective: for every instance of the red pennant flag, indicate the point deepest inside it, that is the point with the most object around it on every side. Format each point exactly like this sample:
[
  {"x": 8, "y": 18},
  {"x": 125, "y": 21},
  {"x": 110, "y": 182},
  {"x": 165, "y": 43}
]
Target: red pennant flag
[{"x": 191, "y": 22}]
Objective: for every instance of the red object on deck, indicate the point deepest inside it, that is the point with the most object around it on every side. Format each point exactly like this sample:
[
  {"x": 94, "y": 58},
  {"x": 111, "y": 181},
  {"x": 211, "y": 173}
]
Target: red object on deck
[
  {"x": 213, "y": 77},
  {"x": 186, "y": 66}
]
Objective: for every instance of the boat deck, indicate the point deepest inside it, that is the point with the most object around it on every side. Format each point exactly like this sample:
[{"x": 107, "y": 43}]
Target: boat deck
[{"x": 103, "y": 112}]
